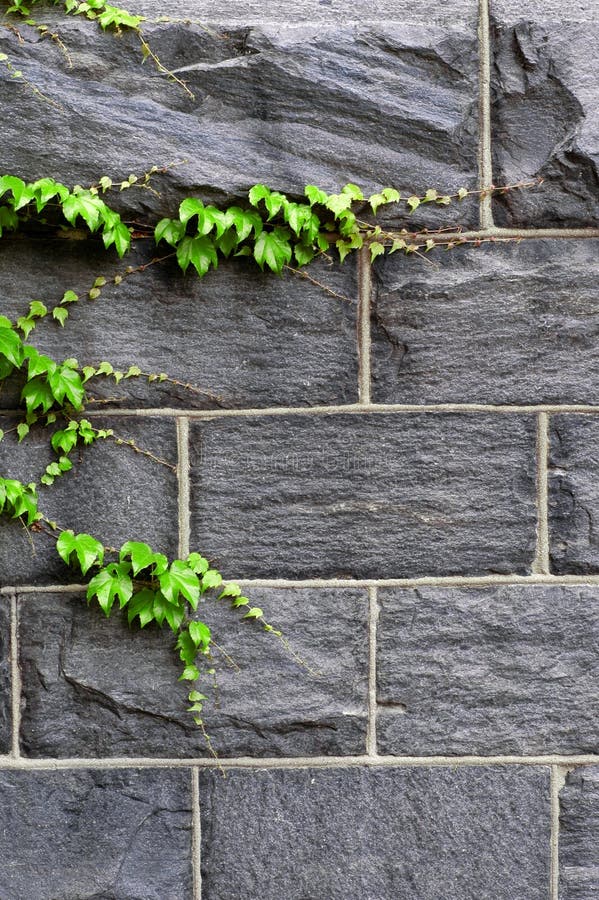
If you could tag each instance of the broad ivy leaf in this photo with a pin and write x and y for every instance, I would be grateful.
(66, 383)
(200, 635)
(197, 563)
(169, 230)
(211, 579)
(315, 195)
(273, 249)
(141, 606)
(180, 578)
(111, 582)
(37, 395)
(140, 554)
(199, 251)
(86, 548)
(244, 221)
(11, 346)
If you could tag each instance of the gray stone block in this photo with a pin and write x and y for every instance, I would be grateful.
(93, 687)
(488, 671)
(579, 823)
(111, 492)
(376, 834)
(574, 493)
(379, 495)
(495, 324)
(546, 99)
(311, 11)
(5, 683)
(123, 835)
(313, 104)
(251, 339)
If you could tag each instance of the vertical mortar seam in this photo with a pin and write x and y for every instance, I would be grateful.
(15, 679)
(541, 563)
(485, 159)
(363, 324)
(196, 834)
(556, 782)
(183, 495)
(373, 612)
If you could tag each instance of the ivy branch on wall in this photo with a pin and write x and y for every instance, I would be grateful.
(276, 232)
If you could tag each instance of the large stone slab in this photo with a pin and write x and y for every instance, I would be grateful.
(376, 834)
(123, 835)
(574, 493)
(5, 685)
(378, 495)
(488, 671)
(496, 324)
(579, 822)
(248, 339)
(112, 492)
(94, 687)
(314, 104)
(546, 99)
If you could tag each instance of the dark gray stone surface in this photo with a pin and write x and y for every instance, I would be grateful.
(376, 834)
(488, 671)
(546, 99)
(495, 324)
(123, 835)
(365, 495)
(579, 823)
(5, 683)
(250, 339)
(574, 493)
(111, 492)
(93, 687)
(286, 106)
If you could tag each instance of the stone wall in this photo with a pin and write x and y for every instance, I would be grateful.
(402, 469)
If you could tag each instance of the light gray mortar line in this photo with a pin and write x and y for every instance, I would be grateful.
(464, 581)
(373, 613)
(348, 409)
(485, 159)
(183, 481)
(363, 324)
(557, 780)
(541, 564)
(196, 834)
(300, 762)
(15, 678)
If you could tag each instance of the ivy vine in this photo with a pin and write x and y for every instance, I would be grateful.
(277, 232)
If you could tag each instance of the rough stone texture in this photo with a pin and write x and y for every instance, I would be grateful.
(311, 11)
(376, 834)
(111, 492)
(93, 687)
(286, 106)
(5, 687)
(488, 671)
(546, 100)
(579, 824)
(251, 339)
(122, 835)
(574, 493)
(365, 496)
(496, 324)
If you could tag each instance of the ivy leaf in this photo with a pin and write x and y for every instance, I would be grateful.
(273, 249)
(211, 579)
(190, 673)
(169, 230)
(60, 314)
(413, 203)
(338, 202)
(111, 582)
(230, 590)
(254, 613)
(22, 430)
(180, 578)
(315, 195)
(37, 394)
(244, 221)
(304, 253)
(187, 649)
(86, 548)
(199, 251)
(140, 554)
(197, 563)
(190, 208)
(141, 606)
(353, 191)
(85, 205)
(66, 383)
(200, 635)
(11, 346)
(376, 249)
(120, 236)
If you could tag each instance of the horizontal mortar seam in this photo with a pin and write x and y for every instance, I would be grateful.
(358, 583)
(23, 763)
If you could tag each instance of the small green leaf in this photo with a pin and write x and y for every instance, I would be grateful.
(60, 314)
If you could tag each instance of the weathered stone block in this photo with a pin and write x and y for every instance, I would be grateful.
(496, 324)
(378, 495)
(123, 835)
(248, 338)
(93, 687)
(579, 822)
(112, 492)
(288, 106)
(574, 493)
(376, 834)
(5, 685)
(546, 99)
(488, 671)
